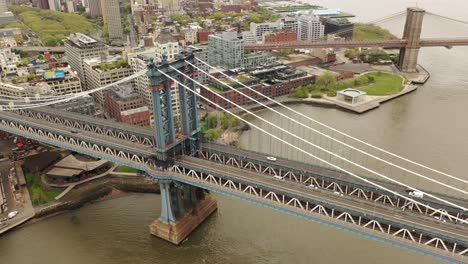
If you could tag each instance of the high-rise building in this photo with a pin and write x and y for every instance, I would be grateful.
(54, 5)
(95, 9)
(3, 6)
(125, 105)
(79, 47)
(111, 16)
(166, 44)
(227, 50)
(5, 15)
(100, 71)
(259, 29)
(139, 60)
(43, 4)
(310, 28)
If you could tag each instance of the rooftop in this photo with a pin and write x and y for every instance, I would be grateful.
(165, 36)
(124, 92)
(83, 41)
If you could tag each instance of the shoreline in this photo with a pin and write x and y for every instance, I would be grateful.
(101, 190)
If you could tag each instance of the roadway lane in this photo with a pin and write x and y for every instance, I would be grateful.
(96, 121)
(113, 142)
(297, 190)
(295, 165)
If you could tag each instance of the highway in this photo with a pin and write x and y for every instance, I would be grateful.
(93, 120)
(319, 170)
(90, 137)
(302, 192)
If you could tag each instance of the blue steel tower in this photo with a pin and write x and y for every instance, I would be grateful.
(160, 85)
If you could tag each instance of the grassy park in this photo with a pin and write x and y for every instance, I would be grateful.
(371, 32)
(39, 195)
(384, 84)
(52, 26)
(126, 169)
(373, 83)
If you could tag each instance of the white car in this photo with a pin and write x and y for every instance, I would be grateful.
(12, 214)
(270, 158)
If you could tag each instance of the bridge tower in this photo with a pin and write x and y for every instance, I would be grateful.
(412, 33)
(183, 207)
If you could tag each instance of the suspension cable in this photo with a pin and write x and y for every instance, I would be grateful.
(322, 149)
(308, 153)
(325, 135)
(448, 18)
(76, 95)
(332, 128)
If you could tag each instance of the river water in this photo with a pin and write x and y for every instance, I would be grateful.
(429, 126)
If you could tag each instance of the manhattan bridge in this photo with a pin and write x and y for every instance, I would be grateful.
(343, 182)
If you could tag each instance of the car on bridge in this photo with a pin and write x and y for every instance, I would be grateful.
(271, 158)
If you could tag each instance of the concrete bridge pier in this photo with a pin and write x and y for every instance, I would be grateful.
(183, 208)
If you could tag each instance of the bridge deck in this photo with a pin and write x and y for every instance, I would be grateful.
(417, 221)
(85, 135)
(295, 165)
(93, 120)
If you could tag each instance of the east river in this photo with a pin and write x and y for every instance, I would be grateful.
(429, 126)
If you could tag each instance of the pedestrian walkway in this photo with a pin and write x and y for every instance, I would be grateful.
(73, 185)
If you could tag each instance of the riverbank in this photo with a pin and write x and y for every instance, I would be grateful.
(103, 189)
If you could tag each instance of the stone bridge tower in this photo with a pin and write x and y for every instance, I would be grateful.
(412, 33)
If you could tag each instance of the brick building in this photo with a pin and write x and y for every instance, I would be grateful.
(271, 91)
(282, 36)
(124, 105)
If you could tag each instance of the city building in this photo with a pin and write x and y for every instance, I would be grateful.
(8, 61)
(79, 47)
(111, 15)
(101, 71)
(310, 28)
(54, 5)
(43, 4)
(73, 169)
(290, 24)
(5, 15)
(33, 80)
(351, 96)
(249, 37)
(3, 6)
(333, 26)
(272, 81)
(260, 29)
(227, 50)
(190, 34)
(124, 105)
(94, 8)
(278, 37)
(70, 6)
(139, 59)
(166, 44)
(12, 32)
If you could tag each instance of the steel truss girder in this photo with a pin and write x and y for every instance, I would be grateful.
(70, 141)
(415, 237)
(328, 183)
(86, 123)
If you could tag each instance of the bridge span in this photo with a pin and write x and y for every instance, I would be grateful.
(397, 43)
(315, 193)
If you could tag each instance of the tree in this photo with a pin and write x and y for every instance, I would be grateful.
(30, 77)
(325, 81)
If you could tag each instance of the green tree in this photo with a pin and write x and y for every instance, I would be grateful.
(325, 81)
